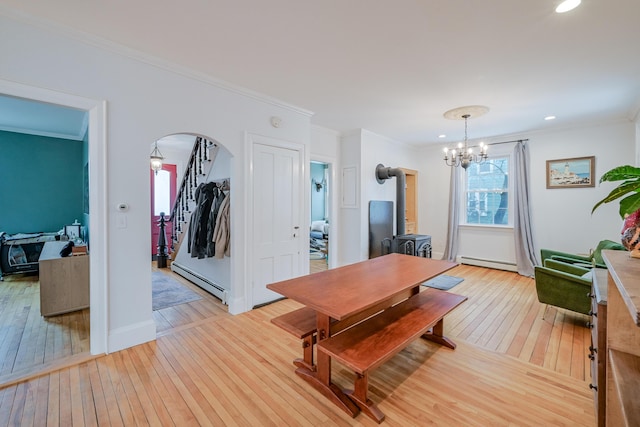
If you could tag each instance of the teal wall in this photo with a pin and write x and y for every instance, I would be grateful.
(40, 182)
(317, 197)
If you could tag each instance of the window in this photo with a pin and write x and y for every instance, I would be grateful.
(162, 193)
(487, 192)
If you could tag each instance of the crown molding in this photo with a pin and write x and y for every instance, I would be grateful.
(122, 50)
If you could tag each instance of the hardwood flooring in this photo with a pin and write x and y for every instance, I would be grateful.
(317, 265)
(503, 315)
(207, 367)
(181, 315)
(29, 341)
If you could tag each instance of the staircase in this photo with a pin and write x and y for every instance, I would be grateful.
(200, 162)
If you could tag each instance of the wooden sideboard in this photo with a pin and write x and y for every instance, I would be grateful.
(598, 347)
(623, 339)
(64, 282)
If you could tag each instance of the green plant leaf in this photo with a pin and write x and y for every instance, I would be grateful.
(629, 204)
(620, 173)
(619, 191)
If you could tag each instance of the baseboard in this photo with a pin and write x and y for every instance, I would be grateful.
(237, 305)
(131, 335)
(206, 284)
(489, 263)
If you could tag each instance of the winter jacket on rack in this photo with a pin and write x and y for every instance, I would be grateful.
(221, 234)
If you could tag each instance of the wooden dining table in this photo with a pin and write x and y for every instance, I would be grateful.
(345, 296)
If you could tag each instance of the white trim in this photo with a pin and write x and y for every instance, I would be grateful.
(334, 224)
(354, 187)
(99, 262)
(489, 263)
(206, 284)
(239, 304)
(130, 335)
(252, 139)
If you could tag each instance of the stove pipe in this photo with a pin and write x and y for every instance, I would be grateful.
(382, 174)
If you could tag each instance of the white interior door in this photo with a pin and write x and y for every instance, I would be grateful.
(277, 181)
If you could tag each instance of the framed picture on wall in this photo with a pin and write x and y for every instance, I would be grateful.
(571, 173)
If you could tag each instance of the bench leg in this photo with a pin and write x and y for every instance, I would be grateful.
(307, 354)
(359, 396)
(436, 335)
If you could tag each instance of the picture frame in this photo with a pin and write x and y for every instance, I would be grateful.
(72, 231)
(576, 172)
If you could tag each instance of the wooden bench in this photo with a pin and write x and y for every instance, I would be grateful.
(300, 323)
(369, 344)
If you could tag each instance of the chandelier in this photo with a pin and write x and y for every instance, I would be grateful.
(464, 155)
(156, 159)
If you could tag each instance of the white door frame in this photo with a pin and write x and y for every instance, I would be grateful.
(99, 302)
(333, 203)
(250, 140)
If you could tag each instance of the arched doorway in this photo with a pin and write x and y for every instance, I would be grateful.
(192, 276)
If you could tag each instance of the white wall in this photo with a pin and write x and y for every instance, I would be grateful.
(349, 238)
(637, 130)
(325, 143)
(145, 100)
(365, 150)
(562, 217)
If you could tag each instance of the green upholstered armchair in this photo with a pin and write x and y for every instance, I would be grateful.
(564, 285)
(594, 260)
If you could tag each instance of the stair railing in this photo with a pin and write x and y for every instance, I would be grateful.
(199, 155)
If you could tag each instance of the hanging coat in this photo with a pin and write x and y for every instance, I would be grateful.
(221, 234)
(193, 224)
(199, 220)
(213, 215)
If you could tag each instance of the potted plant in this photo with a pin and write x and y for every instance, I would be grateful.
(629, 209)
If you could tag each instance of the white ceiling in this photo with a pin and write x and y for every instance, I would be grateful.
(392, 67)
(37, 118)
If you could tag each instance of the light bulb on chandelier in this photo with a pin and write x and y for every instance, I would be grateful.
(464, 156)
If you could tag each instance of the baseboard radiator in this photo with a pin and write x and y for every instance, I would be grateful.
(489, 263)
(203, 282)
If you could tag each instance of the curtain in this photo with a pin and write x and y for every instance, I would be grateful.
(526, 257)
(451, 250)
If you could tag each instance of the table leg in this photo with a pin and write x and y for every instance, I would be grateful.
(320, 379)
(436, 335)
(307, 354)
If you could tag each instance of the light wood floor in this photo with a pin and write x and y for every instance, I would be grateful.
(317, 265)
(207, 367)
(29, 341)
(179, 316)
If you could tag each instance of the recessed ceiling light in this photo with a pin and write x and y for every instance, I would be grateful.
(442, 136)
(567, 5)
(550, 118)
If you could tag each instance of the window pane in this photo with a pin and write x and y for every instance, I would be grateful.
(487, 198)
(161, 193)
